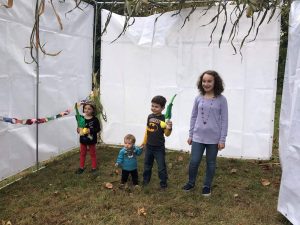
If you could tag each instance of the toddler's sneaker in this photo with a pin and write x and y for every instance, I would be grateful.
(187, 187)
(79, 171)
(206, 191)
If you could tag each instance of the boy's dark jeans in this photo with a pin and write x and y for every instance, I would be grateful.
(134, 176)
(158, 153)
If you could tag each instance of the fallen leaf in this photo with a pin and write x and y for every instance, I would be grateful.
(190, 214)
(266, 167)
(142, 211)
(236, 195)
(265, 182)
(233, 170)
(108, 185)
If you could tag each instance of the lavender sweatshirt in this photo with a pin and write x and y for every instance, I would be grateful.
(209, 120)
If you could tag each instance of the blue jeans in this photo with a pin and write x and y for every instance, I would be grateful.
(196, 156)
(158, 153)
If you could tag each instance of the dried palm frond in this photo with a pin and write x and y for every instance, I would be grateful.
(256, 10)
(8, 5)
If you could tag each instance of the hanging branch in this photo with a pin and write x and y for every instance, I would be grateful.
(256, 10)
(8, 5)
(224, 25)
(216, 17)
(187, 18)
(35, 42)
(56, 15)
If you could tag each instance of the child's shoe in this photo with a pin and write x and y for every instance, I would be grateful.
(187, 187)
(122, 186)
(137, 187)
(79, 171)
(163, 187)
(94, 172)
(206, 191)
(145, 183)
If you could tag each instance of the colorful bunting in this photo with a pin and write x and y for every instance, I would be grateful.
(47, 119)
(34, 121)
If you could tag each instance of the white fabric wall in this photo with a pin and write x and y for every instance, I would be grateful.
(64, 79)
(289, 141)
(163, 59)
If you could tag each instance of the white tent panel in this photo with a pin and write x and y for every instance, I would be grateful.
(289, 142)
(63, 80)
(165, 58)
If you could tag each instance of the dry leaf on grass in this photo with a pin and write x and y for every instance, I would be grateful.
(190, 214)
(109, 185)
(236, 195)
(6, 223)
(233, 170)
(265, 182)
(180, 158)
(142, 211)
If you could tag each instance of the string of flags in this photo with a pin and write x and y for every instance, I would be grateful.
(39, 120)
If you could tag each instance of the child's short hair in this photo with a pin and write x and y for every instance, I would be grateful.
(130, 137)
(160, 100)
(90, 104)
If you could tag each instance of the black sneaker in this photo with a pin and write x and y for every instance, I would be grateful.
(94, 172)
(79, 171)
(145, 183)
(187, 187)
(163, 187)
(206, 191)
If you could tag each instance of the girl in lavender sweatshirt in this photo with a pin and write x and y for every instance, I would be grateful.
(208, 128)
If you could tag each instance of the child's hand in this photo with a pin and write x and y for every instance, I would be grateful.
(169, 124)
(221, 146)
(189, 141)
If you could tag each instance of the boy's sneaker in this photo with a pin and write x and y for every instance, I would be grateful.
(187, 187)
(79, 171)
(206, 191)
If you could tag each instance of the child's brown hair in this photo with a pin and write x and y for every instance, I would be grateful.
(90, 104)
(130, 137)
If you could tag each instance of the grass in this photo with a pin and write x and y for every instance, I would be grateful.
(56, 195)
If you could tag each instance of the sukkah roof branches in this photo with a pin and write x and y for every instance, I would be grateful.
(258, 11)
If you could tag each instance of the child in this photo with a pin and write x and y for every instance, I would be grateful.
(127, 160)
(154, 141)
(89, 139)
(208, 128)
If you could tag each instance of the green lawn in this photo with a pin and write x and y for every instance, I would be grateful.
(56, 195)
